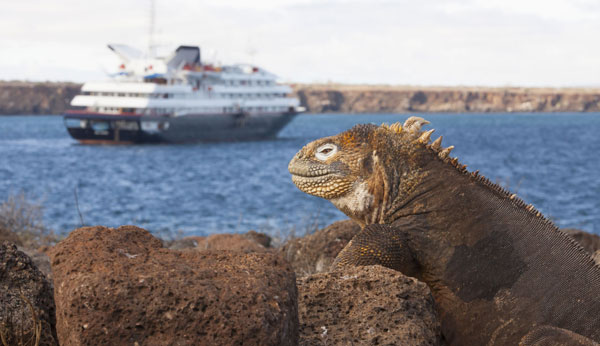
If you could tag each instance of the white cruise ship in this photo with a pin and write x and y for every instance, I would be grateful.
(180, 99)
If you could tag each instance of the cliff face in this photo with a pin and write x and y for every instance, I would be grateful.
(36, 98)
(54, 98)
(362, 99)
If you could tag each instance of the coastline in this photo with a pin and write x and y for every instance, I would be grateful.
(327, 98)
(37, 98)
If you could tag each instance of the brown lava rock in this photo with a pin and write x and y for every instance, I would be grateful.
(260, 238)
(315, 253)
(250, 242)
(120, 287)
(366, 306)
(234, 242)
(21, 284)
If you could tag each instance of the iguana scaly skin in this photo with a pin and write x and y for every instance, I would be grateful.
(500, 273)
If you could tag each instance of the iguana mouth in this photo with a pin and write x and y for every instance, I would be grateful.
(309, 174)
(303, 169)
(326, 185)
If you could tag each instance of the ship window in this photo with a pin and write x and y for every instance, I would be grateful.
(75, 123)
(99, 126)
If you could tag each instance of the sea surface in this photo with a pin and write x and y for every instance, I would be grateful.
(550, 160)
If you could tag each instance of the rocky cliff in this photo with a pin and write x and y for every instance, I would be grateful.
(36, 98)
(398, 99)
(54, 98)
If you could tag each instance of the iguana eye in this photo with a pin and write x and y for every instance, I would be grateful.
(325, 151)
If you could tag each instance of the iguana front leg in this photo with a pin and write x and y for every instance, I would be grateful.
(379, 244)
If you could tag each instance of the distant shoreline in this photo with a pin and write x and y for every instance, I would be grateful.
(37, 98)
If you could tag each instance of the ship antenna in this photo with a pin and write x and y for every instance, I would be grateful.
(151, 33)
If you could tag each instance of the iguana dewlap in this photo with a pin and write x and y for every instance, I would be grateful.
(500, 273)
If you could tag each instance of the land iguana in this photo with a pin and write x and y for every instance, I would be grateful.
(499, 271)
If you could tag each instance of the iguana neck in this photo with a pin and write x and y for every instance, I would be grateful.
(397, 188)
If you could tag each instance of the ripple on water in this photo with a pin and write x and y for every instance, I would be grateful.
(199, 189)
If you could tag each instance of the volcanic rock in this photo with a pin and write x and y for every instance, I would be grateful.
(249, 242)
(41, 260)
(260, 238)
(369, 305)
(181, 244)
(315, 253)
(120, 287)
(24, 288)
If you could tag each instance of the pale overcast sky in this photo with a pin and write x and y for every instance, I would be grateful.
(417, 42)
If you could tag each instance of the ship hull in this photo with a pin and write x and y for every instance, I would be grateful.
(98, 128)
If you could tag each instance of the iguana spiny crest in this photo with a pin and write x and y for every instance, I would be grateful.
(369, 171)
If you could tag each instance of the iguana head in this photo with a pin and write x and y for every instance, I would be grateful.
(368, 170)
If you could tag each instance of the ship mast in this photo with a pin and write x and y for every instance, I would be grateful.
(151, 32)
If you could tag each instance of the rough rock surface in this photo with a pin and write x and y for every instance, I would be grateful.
(366, 306)
(249, 242)
(260, 238)
(181, 244)
(41, 260)
(120, 287)
(18, 275)
(315, 253)
(589, 241)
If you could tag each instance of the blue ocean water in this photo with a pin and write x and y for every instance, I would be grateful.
(550, 160)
